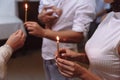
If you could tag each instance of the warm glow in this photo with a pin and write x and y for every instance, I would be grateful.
(57, 38)
(26, 5)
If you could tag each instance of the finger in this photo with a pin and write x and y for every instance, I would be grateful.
(49, 13)
(52, 17)
(15, 32)
(68, 65)
(32, 33)
(20, 32)
(66, 70)
(56, 54)
(64, 73)
(29, 23)
(23, 37)
(47, 7)
(62, 50)
(30, 28)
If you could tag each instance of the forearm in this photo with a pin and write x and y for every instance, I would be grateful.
(82, 58)
(5, 52)
(87, 75)
(68, 36)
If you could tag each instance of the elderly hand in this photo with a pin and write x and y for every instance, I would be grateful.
(16, 40)
(35, 29)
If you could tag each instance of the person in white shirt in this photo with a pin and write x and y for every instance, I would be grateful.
(71, 27)
(102, 9)
(14, 42)
(102, 51)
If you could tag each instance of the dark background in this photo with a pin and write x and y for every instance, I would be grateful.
(31, 41)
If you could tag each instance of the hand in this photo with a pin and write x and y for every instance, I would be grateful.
(47, 17)
(69, 68)
(58, 11)
(67, 54)
(34, 29)
(72, 69)
(16, 40)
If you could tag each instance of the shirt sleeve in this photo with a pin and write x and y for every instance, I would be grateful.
(5, 52)
(84, 15)
(40, 6)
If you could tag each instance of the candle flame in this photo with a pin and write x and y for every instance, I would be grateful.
(57, 38)
(26, 5)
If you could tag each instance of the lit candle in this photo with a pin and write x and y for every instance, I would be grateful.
(26, 9)
(58, 44)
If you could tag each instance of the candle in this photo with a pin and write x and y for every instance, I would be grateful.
(26, 9)
(58, 44)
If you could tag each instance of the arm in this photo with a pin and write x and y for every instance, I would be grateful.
(68, 36)
(14, 42)
(65, 36)
(72, 69)
(72, 56)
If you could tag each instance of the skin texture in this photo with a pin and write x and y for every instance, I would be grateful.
(16, 40)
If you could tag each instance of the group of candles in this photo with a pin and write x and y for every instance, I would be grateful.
(26, 13)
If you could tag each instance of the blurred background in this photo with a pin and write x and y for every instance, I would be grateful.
(25, 63)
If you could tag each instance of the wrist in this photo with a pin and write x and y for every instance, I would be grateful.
(8, 47)
(81, 72)
(45, 32)
(79, 56)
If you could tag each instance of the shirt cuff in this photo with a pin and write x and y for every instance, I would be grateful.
(6, 52)
(9, 48)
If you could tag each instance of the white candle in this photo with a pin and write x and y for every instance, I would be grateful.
(58, 43)
(26, 9)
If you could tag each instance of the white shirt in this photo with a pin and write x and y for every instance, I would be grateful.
(102, 48)
(101, 5)
(5, 54)
(43, 3)
(76, 16)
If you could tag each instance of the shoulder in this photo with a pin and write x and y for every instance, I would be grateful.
(86, 3)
